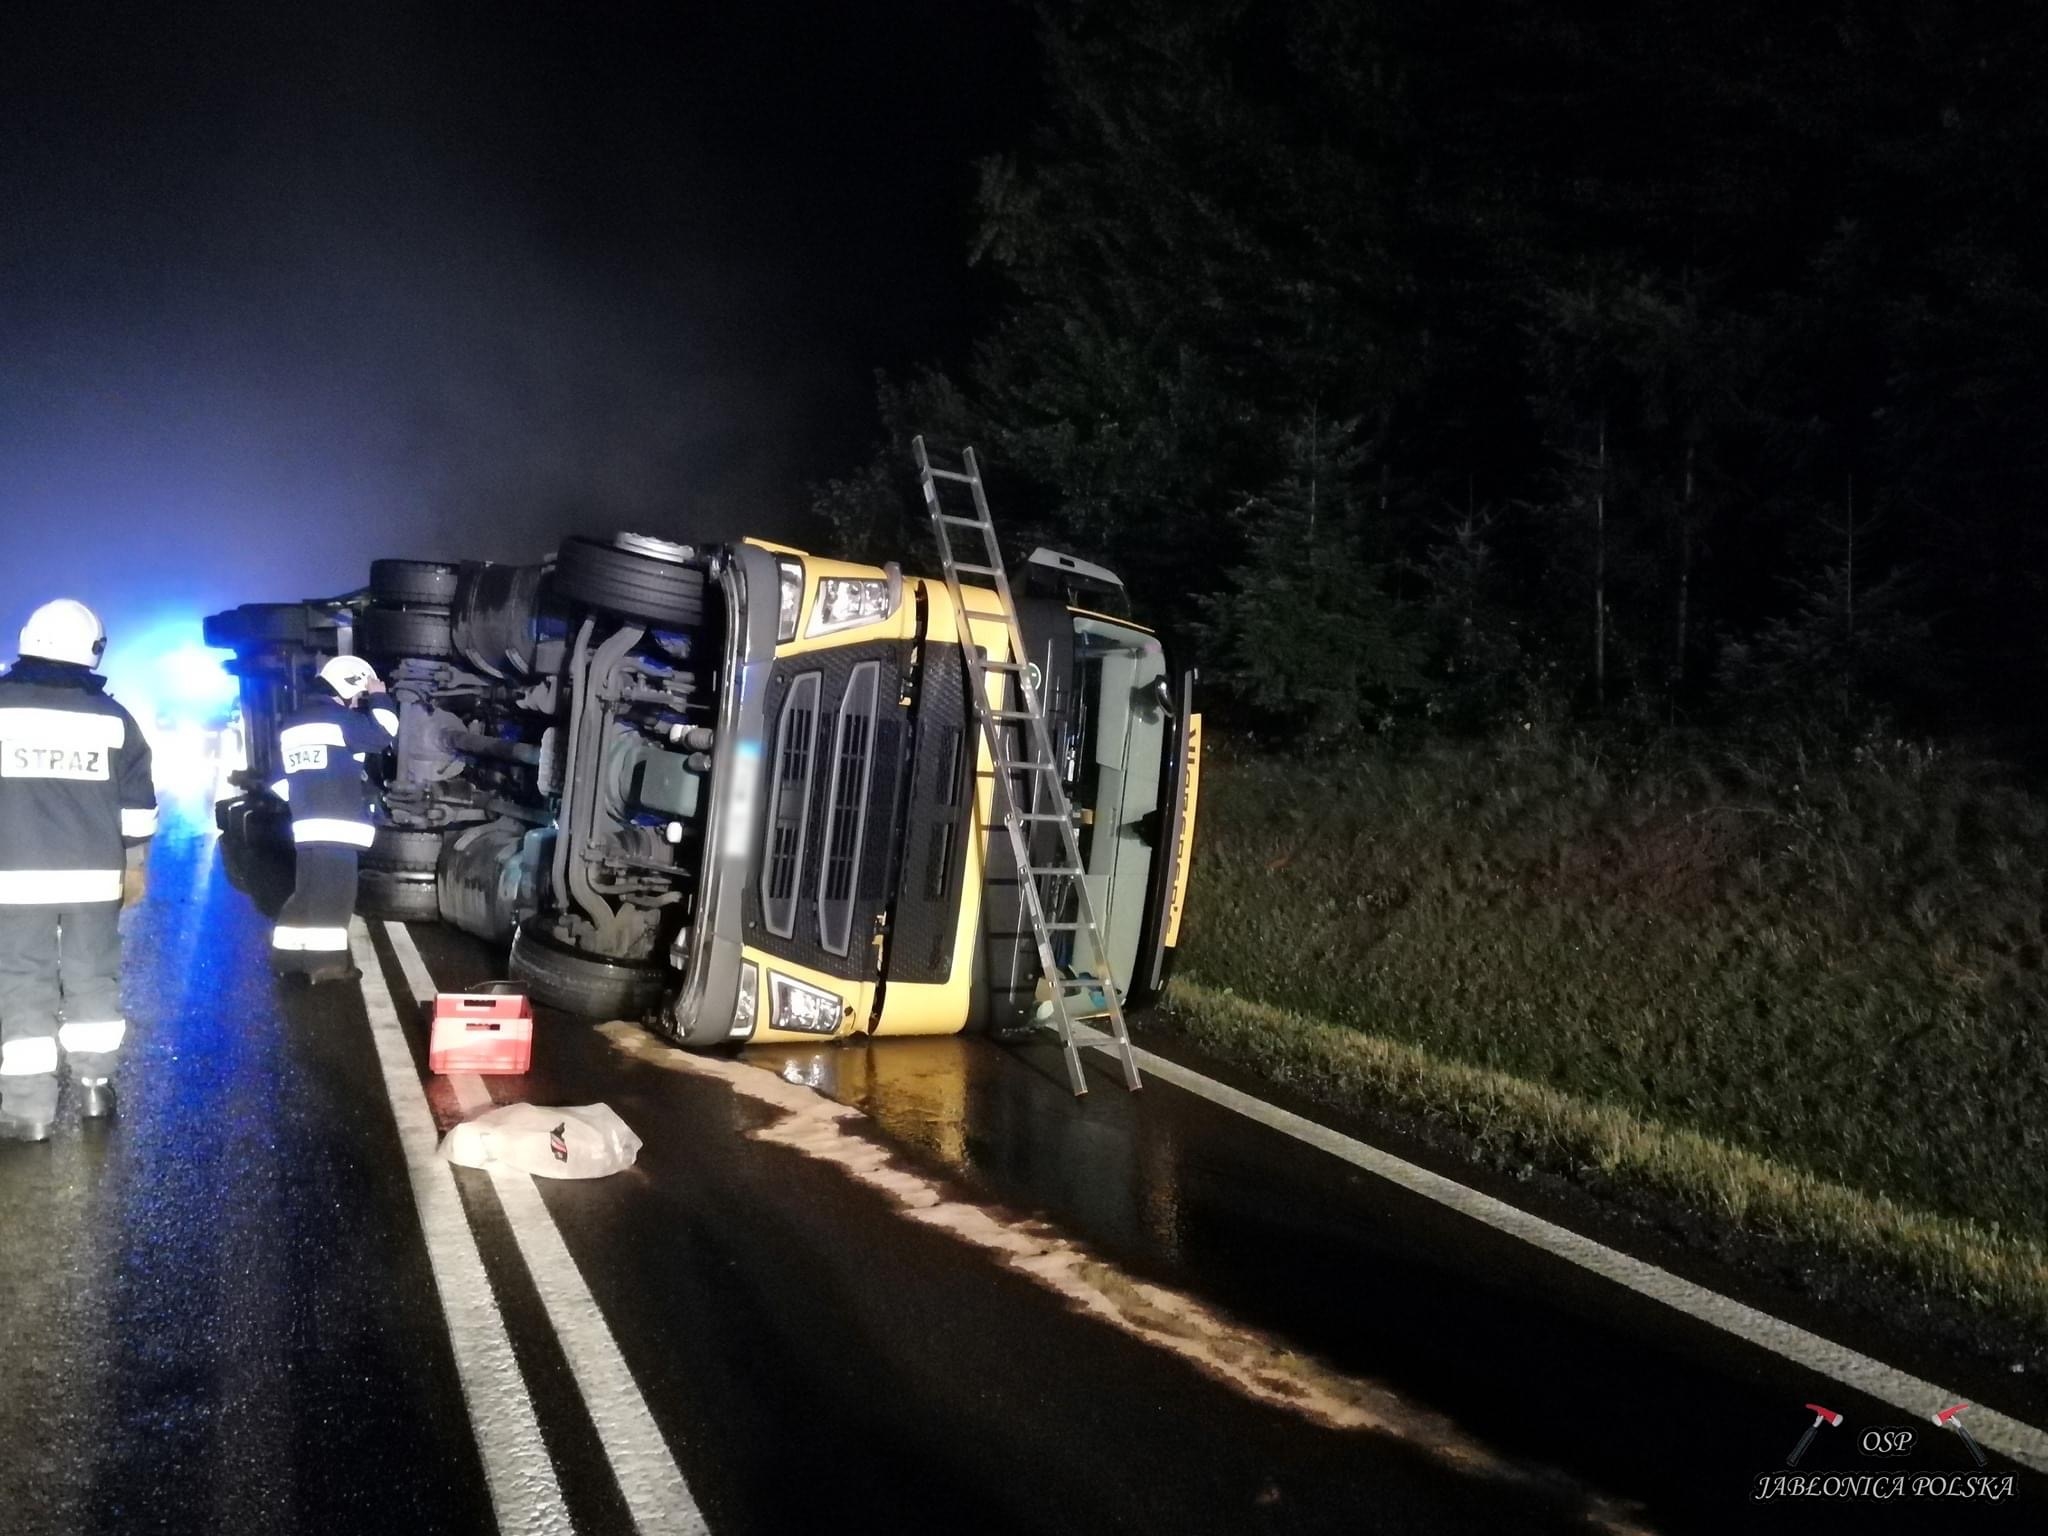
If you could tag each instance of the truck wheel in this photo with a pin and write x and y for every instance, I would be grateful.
(399, 896)
(497, 618)
(277, 622)
(587, 985)
(224, 631)
(413, 583)
(629, 583)
(404, 850)
(391, 634)
(265, 824)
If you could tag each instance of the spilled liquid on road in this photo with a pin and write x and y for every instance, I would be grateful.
(1255, 1364)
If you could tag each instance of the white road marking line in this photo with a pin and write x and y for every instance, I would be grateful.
(653, 1485)
(1996, 1431)
(525, 1496)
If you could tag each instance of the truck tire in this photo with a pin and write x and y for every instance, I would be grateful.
(390, 634)
(224, 631)
(283, 623)
(266, 877)
(497, 618)
(414, 583)
(398, 896)
(585, 985)
(405, 850)
(629, 585)
(264, 824)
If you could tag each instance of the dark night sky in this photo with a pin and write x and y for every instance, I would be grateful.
(282, 289)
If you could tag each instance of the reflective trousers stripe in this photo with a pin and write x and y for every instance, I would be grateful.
(322, 733)
(292, 936)
(58, 887)
(32, 1057)
(332, 829)
(138, 822)
(92, 1037)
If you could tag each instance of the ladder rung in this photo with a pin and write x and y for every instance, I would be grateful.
(1078, 1001)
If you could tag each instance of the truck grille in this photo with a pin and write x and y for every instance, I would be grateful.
(846, 814)
(831, 780)
(789, 811)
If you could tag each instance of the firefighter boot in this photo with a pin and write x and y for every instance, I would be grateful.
(98, 1101)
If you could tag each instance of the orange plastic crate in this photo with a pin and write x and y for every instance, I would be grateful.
(489, 1033)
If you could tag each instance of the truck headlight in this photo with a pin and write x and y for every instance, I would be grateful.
(792, 573)
(844, 602)
(806, 1010)
(749, 1002)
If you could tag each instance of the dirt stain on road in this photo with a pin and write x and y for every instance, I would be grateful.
(1260, 1367)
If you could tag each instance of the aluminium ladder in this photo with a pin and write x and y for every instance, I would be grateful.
(1076, 999)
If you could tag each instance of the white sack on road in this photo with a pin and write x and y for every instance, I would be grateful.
(586, 1141)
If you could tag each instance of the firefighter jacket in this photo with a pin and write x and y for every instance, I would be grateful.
(321, 749)
(74, 786)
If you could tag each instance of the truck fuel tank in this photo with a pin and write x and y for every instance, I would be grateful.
(490, 877)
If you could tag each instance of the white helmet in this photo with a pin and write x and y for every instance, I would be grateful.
(349, 676)
(65, 630)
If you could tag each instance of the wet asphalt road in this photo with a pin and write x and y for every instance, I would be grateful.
(218, 1313)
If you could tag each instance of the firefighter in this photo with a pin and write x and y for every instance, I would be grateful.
(322, 749)
(77, 811)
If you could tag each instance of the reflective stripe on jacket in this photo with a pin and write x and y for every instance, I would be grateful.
(321, 750)
(75, 786)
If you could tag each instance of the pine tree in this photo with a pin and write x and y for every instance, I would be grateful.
(1309, 634)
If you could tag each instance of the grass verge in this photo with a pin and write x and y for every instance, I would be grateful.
(1839, 964)
(1517, 1121)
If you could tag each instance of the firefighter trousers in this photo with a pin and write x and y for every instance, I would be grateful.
(312, 927)
(60, 993)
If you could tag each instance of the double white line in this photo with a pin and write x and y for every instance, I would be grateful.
(525, 1494)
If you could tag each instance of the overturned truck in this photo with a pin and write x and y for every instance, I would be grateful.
(737, 789)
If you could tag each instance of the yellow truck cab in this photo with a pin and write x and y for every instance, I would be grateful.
(885, 900)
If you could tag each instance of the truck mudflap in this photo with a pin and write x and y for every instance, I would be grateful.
(702, 1008)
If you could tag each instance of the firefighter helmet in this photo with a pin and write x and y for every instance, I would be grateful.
(349, 676)
(64, 630)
